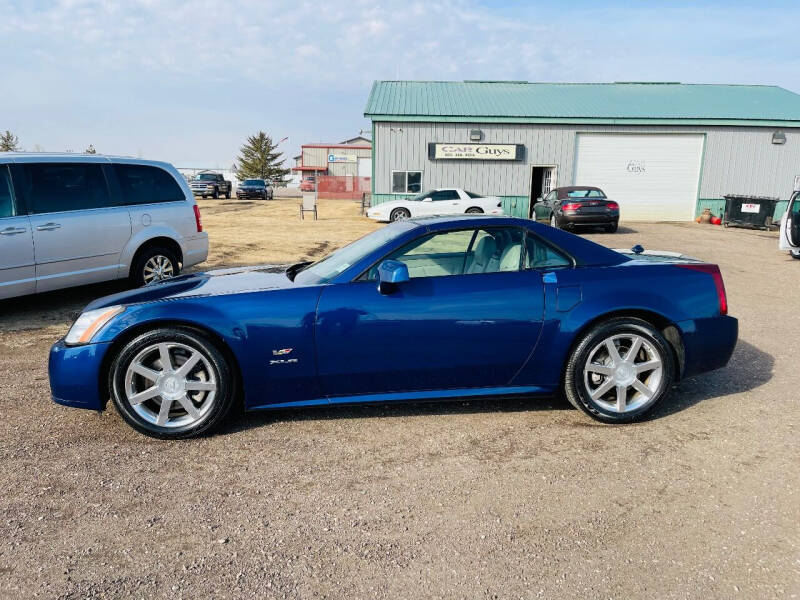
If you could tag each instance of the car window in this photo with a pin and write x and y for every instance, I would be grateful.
(466, 251)
(551, 196)
(540, 255)
(6, 200)
(57, 187)
(585, 194)
(473, 195)
(445, 195)
(143, 184)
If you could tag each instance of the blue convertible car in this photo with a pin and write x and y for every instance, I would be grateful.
(457, 307)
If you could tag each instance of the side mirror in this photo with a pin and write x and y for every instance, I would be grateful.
(391, 273)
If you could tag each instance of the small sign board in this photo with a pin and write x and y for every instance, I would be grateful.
(749, 207)
(342, 158)
(468, 151)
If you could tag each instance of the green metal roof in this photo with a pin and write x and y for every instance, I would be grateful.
(624, 102)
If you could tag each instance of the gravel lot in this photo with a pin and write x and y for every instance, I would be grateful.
(489, 499)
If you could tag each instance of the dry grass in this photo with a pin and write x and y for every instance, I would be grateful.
(257, 232)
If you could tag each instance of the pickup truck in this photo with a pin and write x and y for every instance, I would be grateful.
(211, 184)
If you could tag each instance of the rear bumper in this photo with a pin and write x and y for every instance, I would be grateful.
(195, 249)
(588, 220)
(708, 343)
(75, 375)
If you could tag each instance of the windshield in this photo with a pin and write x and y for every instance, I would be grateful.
(329, 267)
(419, 197)
(585, 194)
(253, 182)
(206, 177)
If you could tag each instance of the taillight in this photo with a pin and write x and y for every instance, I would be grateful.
(198, 219)
(713, 270)
(612, 205)
(571, 206)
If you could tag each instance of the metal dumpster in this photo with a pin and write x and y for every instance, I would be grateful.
(749, 211)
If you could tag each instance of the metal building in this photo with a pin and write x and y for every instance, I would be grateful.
(664, 151)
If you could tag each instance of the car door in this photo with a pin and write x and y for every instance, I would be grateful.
(790, 226)
(467, 318)
(17, 266)
(541, 209)
(79, 227)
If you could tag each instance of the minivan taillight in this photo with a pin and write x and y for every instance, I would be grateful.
(198, 219)
(714, 271)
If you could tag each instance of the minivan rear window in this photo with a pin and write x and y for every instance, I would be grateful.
(57, 187)
(6, 201)
(142, 184)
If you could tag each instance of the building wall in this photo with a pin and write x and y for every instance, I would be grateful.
(737, 160)
(319, 157)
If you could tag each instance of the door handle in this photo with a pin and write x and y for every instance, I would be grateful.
(48, 227)
(12, 230)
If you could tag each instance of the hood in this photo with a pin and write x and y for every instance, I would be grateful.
(209, 283)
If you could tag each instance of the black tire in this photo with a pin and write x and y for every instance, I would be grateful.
(204, 196)
(224, 396)
(612, 228)
(271, 195)
(215, 194)
(575, 388)
(474, 210)
(139, 277)
(399, 214)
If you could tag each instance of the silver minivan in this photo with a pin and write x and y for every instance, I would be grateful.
(69, 220)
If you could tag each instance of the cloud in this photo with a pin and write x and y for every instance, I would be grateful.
(187, 80)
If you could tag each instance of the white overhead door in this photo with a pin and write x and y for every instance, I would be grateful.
(653, 177)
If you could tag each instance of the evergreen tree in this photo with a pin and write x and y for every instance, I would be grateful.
(90, 150)
(8, 142)
(259, 160)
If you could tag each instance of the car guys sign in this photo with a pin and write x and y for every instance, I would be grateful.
(438, 151)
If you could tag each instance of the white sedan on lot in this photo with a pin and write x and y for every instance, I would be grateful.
(442, 201)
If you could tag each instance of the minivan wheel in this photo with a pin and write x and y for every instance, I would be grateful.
(172, 383)
(619, 371)
(154, 264)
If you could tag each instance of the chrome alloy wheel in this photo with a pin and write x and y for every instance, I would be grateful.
(157, 268)
(171, 385)
(623, 373)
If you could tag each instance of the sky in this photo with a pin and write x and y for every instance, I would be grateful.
(187, 82)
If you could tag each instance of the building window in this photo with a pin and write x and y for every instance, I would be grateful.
(406, 182)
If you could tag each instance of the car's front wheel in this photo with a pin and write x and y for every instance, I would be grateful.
(172, 383)
(619, 370)
(399, 214)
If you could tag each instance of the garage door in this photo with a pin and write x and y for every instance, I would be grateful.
(654, 177)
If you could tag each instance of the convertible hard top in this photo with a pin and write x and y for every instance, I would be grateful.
(563, 192)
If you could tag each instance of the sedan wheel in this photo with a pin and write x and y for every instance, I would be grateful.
(474, 211)
(399, 214)
(619, 371)
(171, 383)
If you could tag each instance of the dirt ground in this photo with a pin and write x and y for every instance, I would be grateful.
(481, 499)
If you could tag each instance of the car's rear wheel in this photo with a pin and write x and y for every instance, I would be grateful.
(612, 228)
(619, 371)
(172, 383)
(399, 214)
(154, 264)
(474, 210)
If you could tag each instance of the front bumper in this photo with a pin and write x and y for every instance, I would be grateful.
(75, 373)
(251, 193)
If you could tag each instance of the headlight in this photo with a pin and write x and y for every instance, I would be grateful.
(89, 323)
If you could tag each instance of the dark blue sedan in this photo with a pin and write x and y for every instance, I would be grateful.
(457, 307)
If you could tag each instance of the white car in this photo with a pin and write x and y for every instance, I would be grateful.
(790, 227)
(441, 201)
